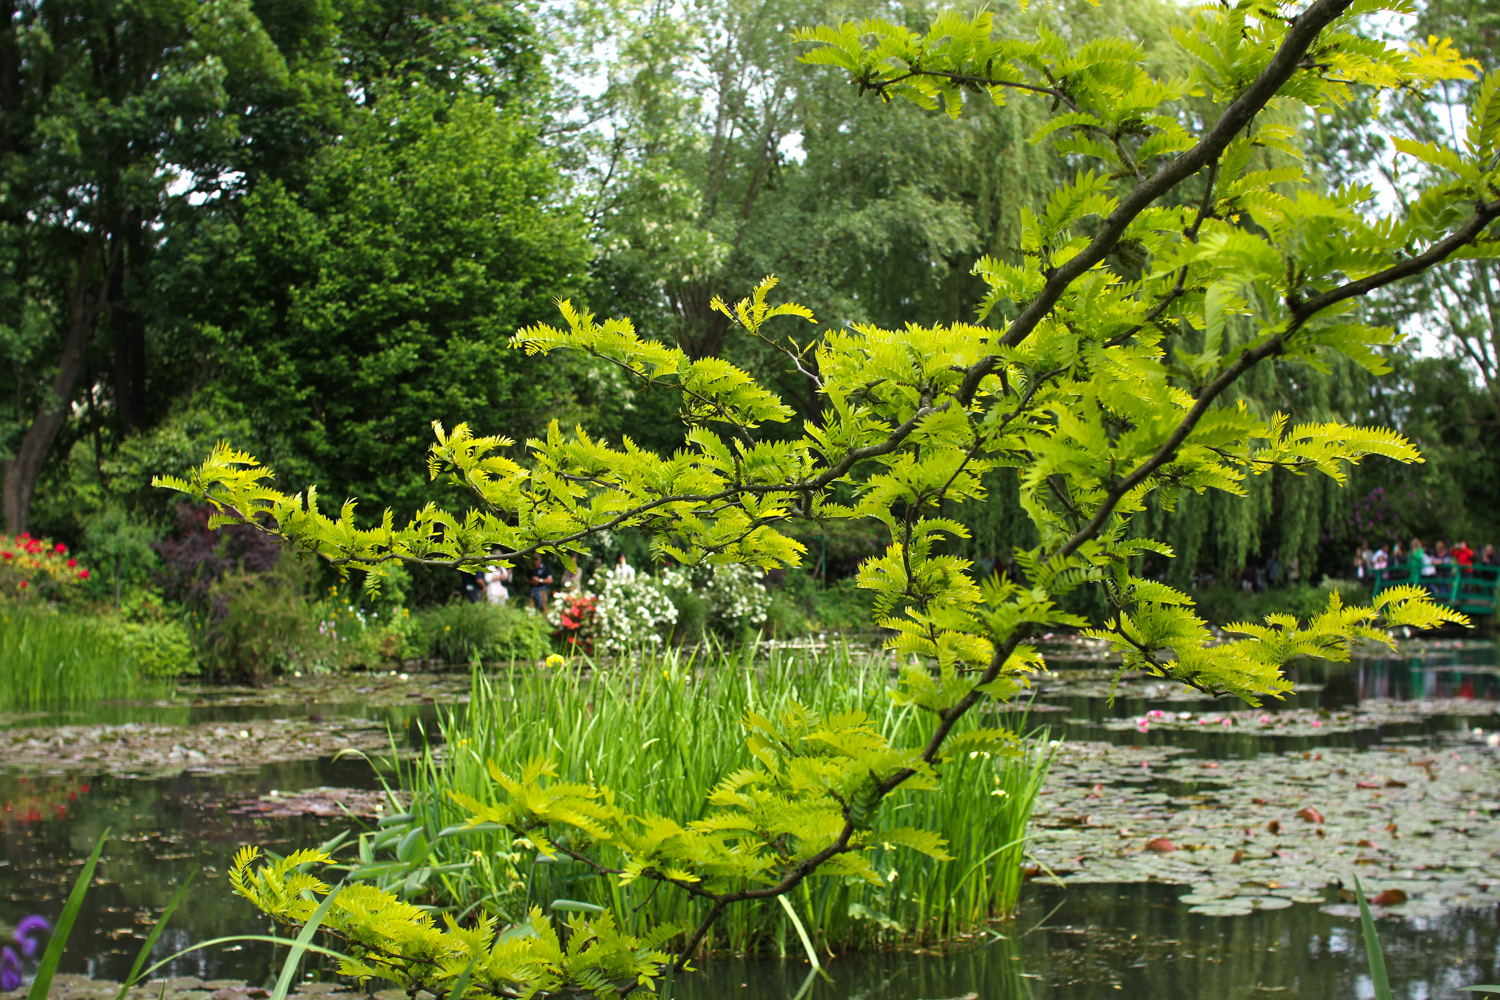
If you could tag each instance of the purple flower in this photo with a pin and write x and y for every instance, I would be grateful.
(10, 970)
(29, 930)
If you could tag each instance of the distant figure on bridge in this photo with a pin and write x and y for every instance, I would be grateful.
(1441, 557)
(1419, 561)
(1490, 557)
(1463, 557)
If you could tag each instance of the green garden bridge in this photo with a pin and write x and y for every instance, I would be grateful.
(1472, 591)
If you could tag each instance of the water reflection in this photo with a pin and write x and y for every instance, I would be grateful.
(1137, 941)
(162, 831)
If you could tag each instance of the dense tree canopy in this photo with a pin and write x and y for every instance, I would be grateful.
(291, 233)
(249, 202)
(115, 118)
(384, 292)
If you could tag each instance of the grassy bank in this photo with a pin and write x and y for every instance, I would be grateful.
(52, 661)
(664, 733)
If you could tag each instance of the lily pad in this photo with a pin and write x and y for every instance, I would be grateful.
(327, 802)
(138, 750)
(1274, 720)
(1416, 819)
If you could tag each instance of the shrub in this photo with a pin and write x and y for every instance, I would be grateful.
(159, 649)
(574, 616)
(195, 558)
(733, 598)
(459, 632)
(843, 607)
(259, 624)
(627, 612)
(154, 634)
(801, 605)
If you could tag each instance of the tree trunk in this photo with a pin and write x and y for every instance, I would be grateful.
(21, 471)
(127, 324)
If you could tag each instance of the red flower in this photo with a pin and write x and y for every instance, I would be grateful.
(25, 584)
(8, 555)
(72, 563)
(60, 549)
(83, 574)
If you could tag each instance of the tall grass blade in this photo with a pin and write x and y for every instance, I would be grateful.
(299, 946)
(233, 939)
(161, 924)
(1373, 952)
(456, 991)
(807, 945)
(64, 925)
(56, 661)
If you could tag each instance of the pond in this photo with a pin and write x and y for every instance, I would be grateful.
(1183, 846)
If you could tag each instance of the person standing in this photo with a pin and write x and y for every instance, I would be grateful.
(623, 571)
(539, 579)
(1418, 560)
(1463, 557)
(496, 578)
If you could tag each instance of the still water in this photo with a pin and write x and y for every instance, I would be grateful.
(1080, 941)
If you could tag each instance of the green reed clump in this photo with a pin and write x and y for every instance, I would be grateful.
(661, 734)
(50, 661)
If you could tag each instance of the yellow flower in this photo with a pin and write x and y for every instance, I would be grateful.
(554, 661)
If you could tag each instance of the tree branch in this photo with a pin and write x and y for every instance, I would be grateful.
(1240, 112)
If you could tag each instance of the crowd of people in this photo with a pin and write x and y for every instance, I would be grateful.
(494, 583)
(1416, 558)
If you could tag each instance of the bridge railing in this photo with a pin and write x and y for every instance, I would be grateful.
(1471, 591)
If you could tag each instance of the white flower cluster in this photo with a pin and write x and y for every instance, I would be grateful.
(736, 597)
(633, 612)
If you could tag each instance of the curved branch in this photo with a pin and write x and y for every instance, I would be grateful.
(1240, 112)
(1484, 214)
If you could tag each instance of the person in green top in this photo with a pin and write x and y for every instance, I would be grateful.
(1417, 560)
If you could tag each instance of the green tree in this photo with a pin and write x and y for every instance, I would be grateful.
(383, 292)
(114, 118)
(1446, 390)
(1093, 384)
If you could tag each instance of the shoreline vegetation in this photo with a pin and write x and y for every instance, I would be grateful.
(657, 733)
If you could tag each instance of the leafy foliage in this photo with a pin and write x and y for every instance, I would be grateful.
(1101, 379)
(389, 939)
